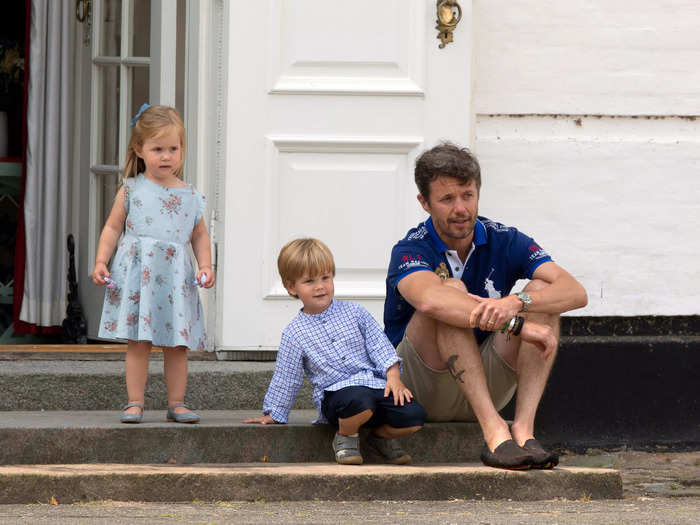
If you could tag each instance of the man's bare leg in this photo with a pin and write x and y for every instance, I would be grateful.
(441, 347)
(533, 371)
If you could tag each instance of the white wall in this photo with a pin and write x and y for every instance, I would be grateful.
(586, 131)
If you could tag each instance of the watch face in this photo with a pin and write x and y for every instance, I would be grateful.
(526, 299)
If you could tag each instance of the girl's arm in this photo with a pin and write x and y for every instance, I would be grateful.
(109, 238)
(201, 246)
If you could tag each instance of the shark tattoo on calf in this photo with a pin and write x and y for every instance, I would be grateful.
(456, 375)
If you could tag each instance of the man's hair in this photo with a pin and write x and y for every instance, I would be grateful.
(304, 256)
(446, 160)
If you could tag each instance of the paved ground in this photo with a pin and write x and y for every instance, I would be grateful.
(660, 487)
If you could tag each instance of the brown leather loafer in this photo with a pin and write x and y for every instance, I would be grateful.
(508, 455)
(542, 458)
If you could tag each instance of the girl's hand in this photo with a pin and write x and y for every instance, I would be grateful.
(263, 420)
(398, 390)
(99, 273)
(210, 279)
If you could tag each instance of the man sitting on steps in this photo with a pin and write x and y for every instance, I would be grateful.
(466, 342)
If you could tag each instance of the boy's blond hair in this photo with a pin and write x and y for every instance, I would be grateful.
(304, 256)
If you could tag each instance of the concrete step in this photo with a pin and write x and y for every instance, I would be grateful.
(277, 482)
(54, 437)
(605, 390)
(630, 390)
(74, 352)
(100, 385)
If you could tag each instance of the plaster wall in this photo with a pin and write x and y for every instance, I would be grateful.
(587, 133)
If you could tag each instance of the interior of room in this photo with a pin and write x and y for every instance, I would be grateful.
(13, 44)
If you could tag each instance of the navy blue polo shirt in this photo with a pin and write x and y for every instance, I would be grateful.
(500, 256)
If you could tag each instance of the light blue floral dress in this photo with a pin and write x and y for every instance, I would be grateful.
(155, 298)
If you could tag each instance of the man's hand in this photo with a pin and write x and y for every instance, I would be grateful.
(539, 335)
(396, 387)
(492, 314)
(263, 420)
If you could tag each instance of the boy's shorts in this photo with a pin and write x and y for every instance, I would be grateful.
(438, 392)
(351, 400)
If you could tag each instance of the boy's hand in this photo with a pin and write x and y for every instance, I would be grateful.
(99, 273)
(263, 420)
(210, 279)
(398, 390)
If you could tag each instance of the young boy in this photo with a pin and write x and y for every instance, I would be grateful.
(351, 364)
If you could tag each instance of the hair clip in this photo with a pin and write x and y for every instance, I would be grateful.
(201, 281)
(110, 282)
(143, 108)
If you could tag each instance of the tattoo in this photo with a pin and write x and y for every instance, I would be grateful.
(456, 375)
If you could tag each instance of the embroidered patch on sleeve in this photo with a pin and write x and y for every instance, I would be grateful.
(442, 272)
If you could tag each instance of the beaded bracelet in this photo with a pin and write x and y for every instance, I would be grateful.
(506, 327)
(519, 326)
(514, 326)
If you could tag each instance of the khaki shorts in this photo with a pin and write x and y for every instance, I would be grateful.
(438, 392)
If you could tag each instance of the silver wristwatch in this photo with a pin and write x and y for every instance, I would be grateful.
(526, 299)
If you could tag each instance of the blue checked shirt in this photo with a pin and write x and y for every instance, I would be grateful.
(340, 347)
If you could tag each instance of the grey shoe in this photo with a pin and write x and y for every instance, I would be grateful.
(131, 418)
(185, 417)
(389, 449)
(347, 449)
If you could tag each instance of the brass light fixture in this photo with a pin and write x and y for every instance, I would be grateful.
(447, 20)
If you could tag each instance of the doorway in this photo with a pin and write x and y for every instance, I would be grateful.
(13, 42)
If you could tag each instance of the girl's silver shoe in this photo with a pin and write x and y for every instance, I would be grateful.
(184, 417)
(131, 418)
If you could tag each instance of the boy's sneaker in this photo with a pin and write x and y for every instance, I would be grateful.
(389, 449)
(347, 449)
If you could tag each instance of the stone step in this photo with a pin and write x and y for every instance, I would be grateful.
(605, 390)
(100, 385)
(277, 482)
(232, 385)
(53, 437)
(630, 390)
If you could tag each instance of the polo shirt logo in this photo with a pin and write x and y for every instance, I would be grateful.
(442, 272)
(491, 288)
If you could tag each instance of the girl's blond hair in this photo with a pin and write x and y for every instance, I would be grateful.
(153, 122)
(304, 257)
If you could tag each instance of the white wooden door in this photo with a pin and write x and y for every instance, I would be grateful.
(132, 46)
(329, 102)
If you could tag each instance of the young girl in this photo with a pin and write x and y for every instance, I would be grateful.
(152, 294)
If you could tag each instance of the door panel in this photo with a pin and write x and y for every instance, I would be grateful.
(329, 104)
(365, 47)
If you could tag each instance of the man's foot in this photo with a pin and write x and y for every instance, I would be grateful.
(508, 455)
(389, 449)
(347, 449)
(542, 458)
